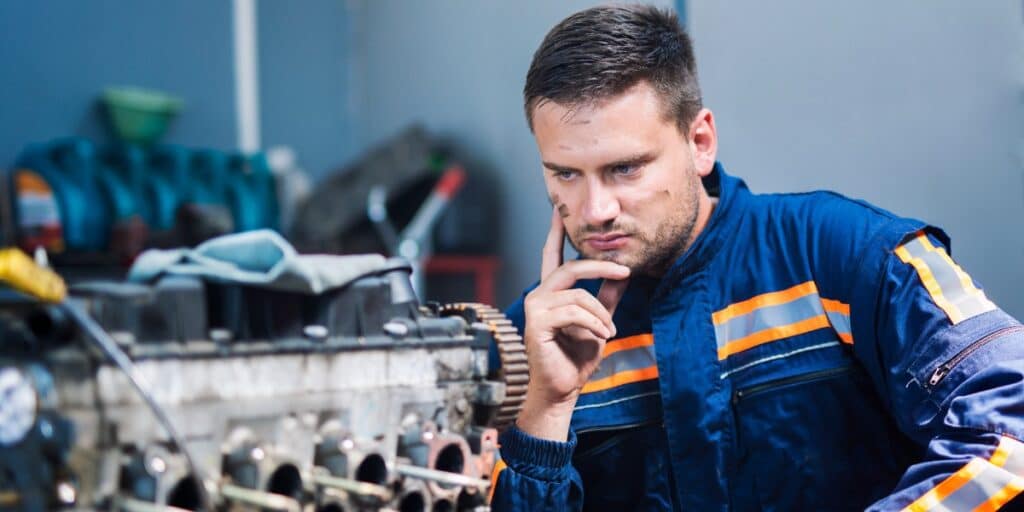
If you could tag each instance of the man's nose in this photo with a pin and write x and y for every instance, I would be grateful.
(601, 204)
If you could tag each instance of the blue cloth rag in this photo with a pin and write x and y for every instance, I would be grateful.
(260, 257)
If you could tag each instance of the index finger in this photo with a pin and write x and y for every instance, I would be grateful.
(611, 292)
(551, 257)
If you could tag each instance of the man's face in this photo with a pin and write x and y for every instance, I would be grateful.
(623, 179)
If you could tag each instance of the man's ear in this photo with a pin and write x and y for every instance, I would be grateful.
(703, 141)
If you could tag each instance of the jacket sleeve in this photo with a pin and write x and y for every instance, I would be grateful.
(535, 474)
(950, 366)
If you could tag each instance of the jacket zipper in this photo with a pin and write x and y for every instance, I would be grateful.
(943, 369)
(740, 394)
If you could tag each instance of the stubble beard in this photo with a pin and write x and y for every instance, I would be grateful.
(659, 248)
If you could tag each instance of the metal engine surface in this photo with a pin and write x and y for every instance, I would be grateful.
(358, 399)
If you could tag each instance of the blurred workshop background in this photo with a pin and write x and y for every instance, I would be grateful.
(397, 126)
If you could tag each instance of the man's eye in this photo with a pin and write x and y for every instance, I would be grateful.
(625, 170)
(564, 175)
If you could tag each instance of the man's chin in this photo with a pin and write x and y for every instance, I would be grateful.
(613, 256)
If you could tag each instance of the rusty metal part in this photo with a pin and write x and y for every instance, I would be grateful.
(514, 370)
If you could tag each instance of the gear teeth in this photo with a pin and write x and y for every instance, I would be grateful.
(511, 351)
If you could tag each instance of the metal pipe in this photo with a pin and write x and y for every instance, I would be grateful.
(267, 500)
(441, 477)
(321, 477)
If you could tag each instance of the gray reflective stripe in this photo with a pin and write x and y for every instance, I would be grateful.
(978, 490)
(970, 301)
(808, 306)
(779, 356)
(623, 360)
(840, 322)
(1015, 460)
(616, 401)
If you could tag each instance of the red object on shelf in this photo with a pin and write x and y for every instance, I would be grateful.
(483, 269)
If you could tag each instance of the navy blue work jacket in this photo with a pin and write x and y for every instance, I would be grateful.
(808, 352)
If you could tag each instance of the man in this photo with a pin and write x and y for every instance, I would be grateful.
(714, 349)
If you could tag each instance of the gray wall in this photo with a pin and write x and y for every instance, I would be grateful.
(914, 108)
(57, 57)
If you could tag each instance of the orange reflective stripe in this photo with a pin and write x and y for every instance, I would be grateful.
(930, 284)
(498, 468)
(965, 280)
(760, 301)
(1002, 497)
(835, 306)
(772, 334)
(947, 487)
(840, 319)
(1002, 453)
(618, 379)
(639, 340)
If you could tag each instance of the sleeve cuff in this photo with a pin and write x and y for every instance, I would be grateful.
(542, 459)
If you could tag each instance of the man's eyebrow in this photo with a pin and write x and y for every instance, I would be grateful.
(637, 159)
(559, 168)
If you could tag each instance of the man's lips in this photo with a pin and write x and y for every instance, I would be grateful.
(607, 241)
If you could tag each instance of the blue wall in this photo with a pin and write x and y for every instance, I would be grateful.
(305, 101)
(56, 57)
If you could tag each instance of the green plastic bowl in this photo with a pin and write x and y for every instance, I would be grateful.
(138, 115)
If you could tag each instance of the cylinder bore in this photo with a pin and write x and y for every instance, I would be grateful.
(184, 494)
(450, 459)
(286, 481)
(372, 469)
(413, 502)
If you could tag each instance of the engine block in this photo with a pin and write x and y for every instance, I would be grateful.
(356, 399)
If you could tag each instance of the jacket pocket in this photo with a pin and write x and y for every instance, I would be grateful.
(817, 441)
(626, 469)
(939, 372)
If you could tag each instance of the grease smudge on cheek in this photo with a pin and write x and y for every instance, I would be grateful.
(563, 210)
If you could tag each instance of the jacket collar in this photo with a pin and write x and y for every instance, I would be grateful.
(732, 194)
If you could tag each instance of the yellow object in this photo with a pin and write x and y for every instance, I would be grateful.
(19, 271)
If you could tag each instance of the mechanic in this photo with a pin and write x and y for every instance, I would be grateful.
(716, 349)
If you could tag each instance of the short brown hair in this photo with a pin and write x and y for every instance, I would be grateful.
(601, 52)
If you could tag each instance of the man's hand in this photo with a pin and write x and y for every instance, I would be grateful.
(566, 330)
